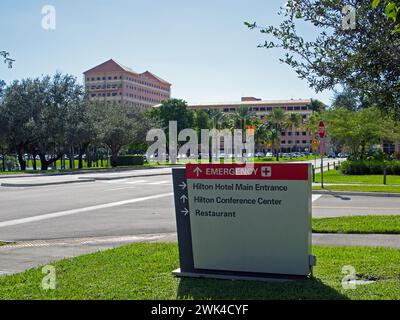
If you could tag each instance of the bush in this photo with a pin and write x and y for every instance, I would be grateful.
(365, 167)
(130, 160)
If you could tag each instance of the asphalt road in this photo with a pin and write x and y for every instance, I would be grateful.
(126, 207)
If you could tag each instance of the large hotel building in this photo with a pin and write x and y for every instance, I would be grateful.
(294, 138)
(111, 81)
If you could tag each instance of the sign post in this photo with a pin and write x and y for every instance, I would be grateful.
(322, 132)
(244, 222)
(315, 149)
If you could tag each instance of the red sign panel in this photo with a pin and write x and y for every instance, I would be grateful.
(321, 129)
(258, 171)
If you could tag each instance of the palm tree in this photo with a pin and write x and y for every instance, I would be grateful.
(262, 133)
(294, 120)
(216, 116)
(276, 121)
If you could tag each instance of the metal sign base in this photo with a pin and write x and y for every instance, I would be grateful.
(237, 276)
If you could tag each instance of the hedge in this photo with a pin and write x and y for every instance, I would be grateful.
(130, 160)
(365, 167)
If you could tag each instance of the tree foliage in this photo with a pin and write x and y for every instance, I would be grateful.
(364, 59)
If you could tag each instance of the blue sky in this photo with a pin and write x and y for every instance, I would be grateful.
(201, 47)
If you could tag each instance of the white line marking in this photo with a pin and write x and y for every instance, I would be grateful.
(315, 197)
(122, 188)
(160, 182)
(115, 181)
(80, 210)
(137, 181)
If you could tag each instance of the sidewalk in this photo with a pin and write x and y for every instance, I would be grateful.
(29, 254)
(46, 180)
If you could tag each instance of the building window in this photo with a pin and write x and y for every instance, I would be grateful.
(304, 141)
(290, 108)
(283, 142)
(289, 142)
(304, 133)
(296, 108)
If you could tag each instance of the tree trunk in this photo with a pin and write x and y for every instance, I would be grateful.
(114, 156)
(114, 159)
(34, 161)
(46, 163)
(21, 160)
(80, 162)
(4, 162)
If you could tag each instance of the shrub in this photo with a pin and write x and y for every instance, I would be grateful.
(130, 160)
(365, 167)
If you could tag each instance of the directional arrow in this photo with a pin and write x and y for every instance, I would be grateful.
(183, 185)
(185, 211)
(197, 171)
(184, 198)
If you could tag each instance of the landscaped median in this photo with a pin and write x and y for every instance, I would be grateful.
(358, 225)
(334, 180)
(143, 271)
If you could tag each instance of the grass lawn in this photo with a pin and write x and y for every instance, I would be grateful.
(143, 271)
(388, 189)
(358, 224)
(334, 176)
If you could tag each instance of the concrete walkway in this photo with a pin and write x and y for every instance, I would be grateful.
(18, 257)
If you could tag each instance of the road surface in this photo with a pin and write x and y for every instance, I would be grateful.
(126, 207)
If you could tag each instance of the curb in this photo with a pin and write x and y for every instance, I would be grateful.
(50, 174)
(126, 177)
(349, 193)
(28, 185)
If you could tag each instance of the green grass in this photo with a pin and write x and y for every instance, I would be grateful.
(2, 243)
(143, 271)
(358, 224)
(387, 189)
(334, 176)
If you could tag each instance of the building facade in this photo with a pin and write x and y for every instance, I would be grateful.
(293, 139)
(111, 81)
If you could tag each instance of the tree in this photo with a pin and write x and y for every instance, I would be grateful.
(120, 124)
(276, 122)
(356, 130)
(7, 60)
(347, 99)
(262, 134)
(174, 110)
(201, 120)
(216, 117)
(241, 116)
(392, 9)
(317, 105)
(18, 111)
(293, 121)
(364, 58)
(37, 114)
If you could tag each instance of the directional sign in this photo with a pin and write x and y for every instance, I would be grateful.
(321, 129)
(244, 220)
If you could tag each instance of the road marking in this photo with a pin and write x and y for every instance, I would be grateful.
(315, 197)
(160, 182)
(115, 181)
(80, 210)
(357, 208)
(122, 188)
(137, 181)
